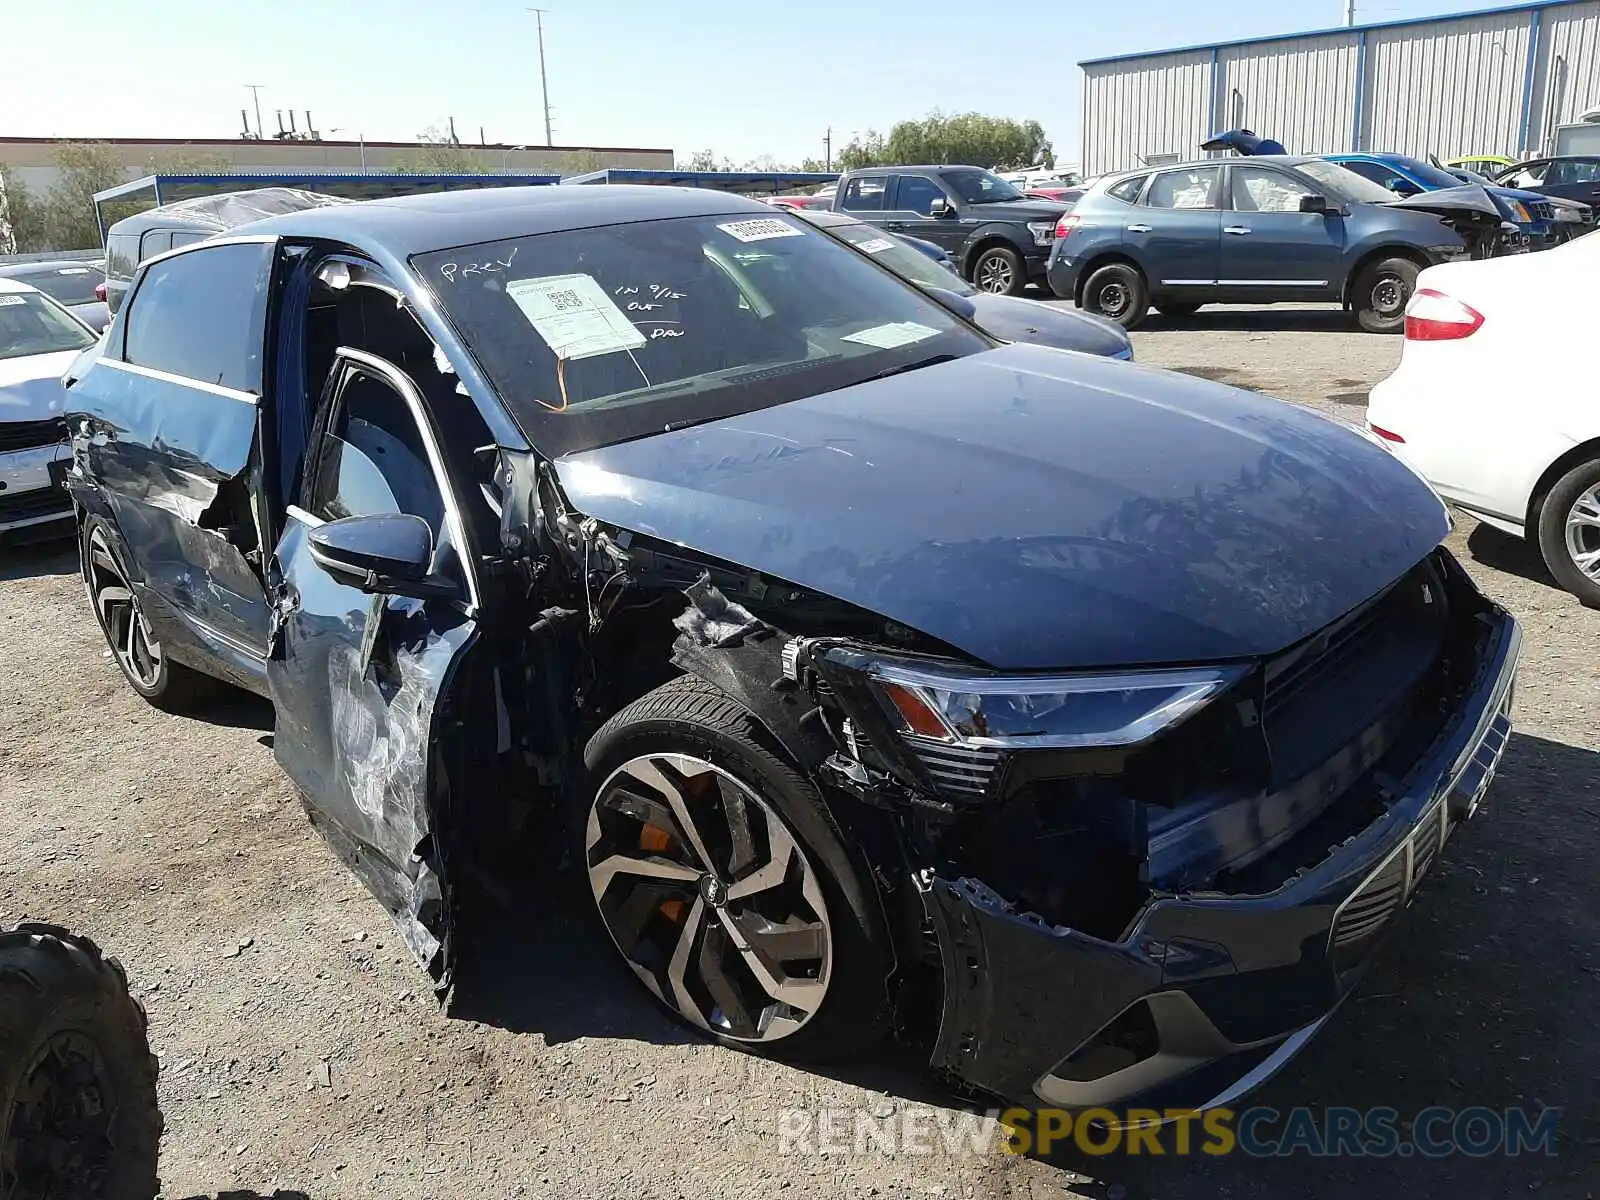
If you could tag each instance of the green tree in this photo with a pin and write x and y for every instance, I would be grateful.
(23, 212)
(970, 138)
(187, 162)
(84, 169)
(580, 162)
(438, 154)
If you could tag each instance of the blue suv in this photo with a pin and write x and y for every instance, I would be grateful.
(1274, 228)
(1404, 176)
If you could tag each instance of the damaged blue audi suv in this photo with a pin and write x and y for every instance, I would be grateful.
(1098, 722)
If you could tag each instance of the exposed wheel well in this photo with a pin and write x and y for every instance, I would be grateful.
(1410, 253)
(1581, 453)
(1094, 264)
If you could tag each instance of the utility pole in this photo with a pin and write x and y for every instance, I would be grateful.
(255, 94)
(827, 148)
(544, 83)
(1350, 12)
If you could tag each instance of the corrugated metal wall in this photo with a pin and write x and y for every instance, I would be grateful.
(1451, 86)
(1567, 76)
(1301, 92)
(1148, 106)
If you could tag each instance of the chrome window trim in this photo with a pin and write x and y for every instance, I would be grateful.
(215, 389)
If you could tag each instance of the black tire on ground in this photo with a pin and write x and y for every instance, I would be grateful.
(1381, 292)
(1552, 532)
(1118, 292)
(170, 686)
(78, 1114)
(999, 269)
(1178, 308)
(689, 716)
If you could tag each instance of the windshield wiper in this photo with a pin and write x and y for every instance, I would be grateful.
(932, 360)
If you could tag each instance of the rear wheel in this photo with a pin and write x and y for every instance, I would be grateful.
(1117, 292)
(1177, 308)
(143, 662)
(718, 876)
(999, 270)
(78, 1113)
(1382, 292)
(1569, 532)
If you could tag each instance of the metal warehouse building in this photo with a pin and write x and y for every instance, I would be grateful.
(1497, 81)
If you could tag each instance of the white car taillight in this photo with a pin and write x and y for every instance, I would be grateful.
(1434, 317)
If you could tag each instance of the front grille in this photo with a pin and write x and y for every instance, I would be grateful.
(29, 435)
(958, 770)
(1320, 696)
(1541, 210)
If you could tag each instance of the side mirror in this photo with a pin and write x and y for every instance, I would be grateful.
(940, 207)
(1400, 187)
(954, 301)
(387, 554)
(1315, 204)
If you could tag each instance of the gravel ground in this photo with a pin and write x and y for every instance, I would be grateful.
(302, 1052)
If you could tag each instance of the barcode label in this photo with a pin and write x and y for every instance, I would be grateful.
(760, 229)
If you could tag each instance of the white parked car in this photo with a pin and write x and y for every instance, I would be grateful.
(1493, 401)
(38, 341)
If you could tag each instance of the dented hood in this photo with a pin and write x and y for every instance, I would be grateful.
(30, 387)
(1450, 202)
(1037, 509)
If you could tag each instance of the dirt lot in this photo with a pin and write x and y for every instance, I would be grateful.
(177, 843)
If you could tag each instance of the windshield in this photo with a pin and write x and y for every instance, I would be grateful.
(1344, 185)
(65, 285)
(904, 259)
(979, 187)
(599, 335)
(30, 324)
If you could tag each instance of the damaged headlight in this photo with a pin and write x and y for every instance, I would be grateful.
(1034, 712)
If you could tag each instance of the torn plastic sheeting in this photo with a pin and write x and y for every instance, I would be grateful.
(712, 619)
(232, 209)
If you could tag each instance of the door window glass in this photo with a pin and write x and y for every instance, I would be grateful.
(202, 315)
(917, 194)
(1194, 187)
(122, 254)
(373, 460)
(157, 241)
(1573, 171)
(865, 195)
(1525, 176)
(1385, 177)
(1256, 189)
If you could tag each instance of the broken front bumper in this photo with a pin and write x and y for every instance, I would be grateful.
(1207, 995)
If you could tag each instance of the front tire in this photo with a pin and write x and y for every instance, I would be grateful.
(1569, 532)
(998, 270)
(1119, 293)
(169, 686)
(1382, 292)
(718, 874)
(78, 1113)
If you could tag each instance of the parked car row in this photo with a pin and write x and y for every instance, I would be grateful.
(672, 529)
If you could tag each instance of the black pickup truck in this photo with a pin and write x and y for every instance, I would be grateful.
(999, 238)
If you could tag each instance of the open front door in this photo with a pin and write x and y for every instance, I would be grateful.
(359, 679)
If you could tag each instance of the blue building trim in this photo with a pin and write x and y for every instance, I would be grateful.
(1533, 7)
(1361, 91)
(1535, 28)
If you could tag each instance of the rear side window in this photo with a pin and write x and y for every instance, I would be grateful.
(122, 255)
(202, 315)
(157, 241)
(1196, 187)
(865, 195)
(1128, 190)
(1573, 171)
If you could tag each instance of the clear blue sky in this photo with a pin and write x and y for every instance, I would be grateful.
(745, 79)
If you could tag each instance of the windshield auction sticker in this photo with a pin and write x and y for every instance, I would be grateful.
(760, 229)
(7, 301)
(887, 337)
(574, 316)
(875, 246)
